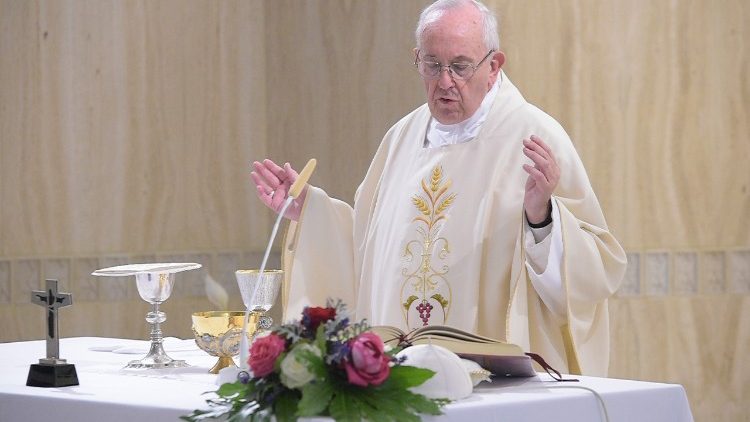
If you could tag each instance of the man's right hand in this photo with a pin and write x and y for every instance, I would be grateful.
(272, 184)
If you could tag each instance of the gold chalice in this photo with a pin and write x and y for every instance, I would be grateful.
(218, 334)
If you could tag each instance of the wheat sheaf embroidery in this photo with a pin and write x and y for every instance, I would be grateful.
(426, 287)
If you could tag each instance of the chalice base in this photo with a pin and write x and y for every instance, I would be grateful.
(223, 362)
(157, 359)
(144, 363)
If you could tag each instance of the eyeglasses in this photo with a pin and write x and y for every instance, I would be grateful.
(458, 70)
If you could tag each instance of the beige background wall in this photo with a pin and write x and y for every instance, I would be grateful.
(126, 129)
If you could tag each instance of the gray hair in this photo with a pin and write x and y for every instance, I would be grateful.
(433, 12)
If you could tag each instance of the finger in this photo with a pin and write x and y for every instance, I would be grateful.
(260, 183)
(537, 175)
(290, 172)
(535, 147)
(530, 183)
(541, 163)
(544, 145)
(552, 170)
(263, 171)
(274, 168)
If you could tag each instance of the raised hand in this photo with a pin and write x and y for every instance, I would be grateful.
(542, 181)
(272, 184)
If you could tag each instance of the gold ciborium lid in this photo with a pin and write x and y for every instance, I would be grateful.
(218, 334)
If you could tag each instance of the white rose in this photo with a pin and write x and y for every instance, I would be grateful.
(294, 372)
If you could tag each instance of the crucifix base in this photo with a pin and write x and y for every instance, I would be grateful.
(52, 375)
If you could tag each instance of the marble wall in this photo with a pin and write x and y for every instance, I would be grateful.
(126, 128)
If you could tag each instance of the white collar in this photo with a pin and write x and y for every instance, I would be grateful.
(439, 134)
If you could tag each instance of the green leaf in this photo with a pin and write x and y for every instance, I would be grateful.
(314, 363)
(217, 411)
(404, 376)
(403, 404)
(422, 404)
(315, 398)
(375, 415)
(247, 410)
(197, 415)
(230, 389)
(344, 409)
(320, 338)
(285, 406)
(370, 413)
(231, 398)
(391, 406)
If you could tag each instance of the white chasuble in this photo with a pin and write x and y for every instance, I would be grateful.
(436, 237)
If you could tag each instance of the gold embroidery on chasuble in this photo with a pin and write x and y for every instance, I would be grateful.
(425, 292)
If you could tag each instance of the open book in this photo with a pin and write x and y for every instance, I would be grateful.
(500, 358)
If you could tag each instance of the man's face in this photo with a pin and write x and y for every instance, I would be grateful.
(457, 37)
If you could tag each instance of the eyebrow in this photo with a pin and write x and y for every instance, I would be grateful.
(458, 59)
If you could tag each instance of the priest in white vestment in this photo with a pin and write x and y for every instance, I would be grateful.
(476, 212)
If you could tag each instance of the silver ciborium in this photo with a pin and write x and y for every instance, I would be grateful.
(154, 282)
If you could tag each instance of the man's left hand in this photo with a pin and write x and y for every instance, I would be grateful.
(542, 181)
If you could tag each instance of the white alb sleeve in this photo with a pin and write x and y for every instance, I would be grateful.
(543, 262)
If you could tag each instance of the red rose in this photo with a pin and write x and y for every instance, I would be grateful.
(313, 317)
(263, 354)
(368, 363)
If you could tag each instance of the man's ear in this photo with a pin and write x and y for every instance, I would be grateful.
(498, 60)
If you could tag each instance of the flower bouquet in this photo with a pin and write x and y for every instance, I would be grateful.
(322, 365)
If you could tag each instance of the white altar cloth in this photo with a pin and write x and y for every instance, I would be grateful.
(112, 394)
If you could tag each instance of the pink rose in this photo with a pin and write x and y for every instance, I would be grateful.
(368, 363)
(263, 354)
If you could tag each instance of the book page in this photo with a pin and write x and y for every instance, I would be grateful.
(390, 335)
(461, 346)
(446, 331)
(453, 339)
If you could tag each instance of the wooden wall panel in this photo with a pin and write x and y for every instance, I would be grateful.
(128, 126)
(340, 74)
(699, 342)
(656, 97)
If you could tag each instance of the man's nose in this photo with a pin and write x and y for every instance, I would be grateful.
(445, 78)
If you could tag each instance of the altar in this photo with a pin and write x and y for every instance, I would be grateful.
(107, 392)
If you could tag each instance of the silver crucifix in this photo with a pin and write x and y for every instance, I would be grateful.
(52, 300)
